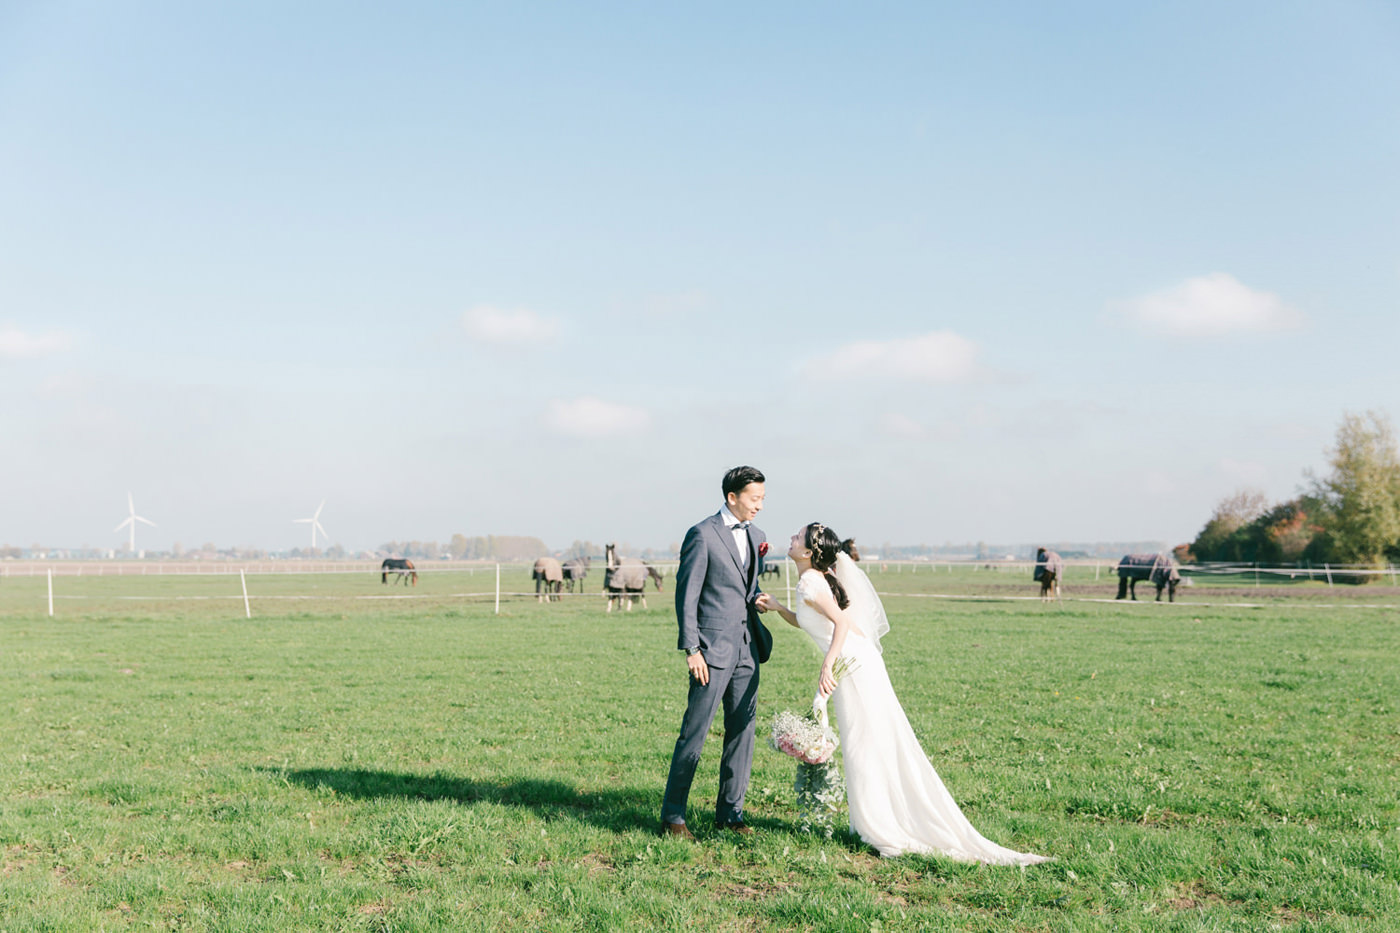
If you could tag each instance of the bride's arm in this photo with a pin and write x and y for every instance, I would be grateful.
(841, 625)
(766, 602)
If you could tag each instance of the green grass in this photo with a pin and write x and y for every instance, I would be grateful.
(366, 764)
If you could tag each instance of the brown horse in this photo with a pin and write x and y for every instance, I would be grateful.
(400, 565)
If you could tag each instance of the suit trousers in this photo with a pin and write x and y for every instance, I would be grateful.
(736, 689)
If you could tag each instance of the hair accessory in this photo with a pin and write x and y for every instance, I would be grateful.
(816, 536)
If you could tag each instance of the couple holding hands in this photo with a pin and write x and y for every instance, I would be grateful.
(897, 801)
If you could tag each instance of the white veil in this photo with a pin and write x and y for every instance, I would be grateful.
(865, 610)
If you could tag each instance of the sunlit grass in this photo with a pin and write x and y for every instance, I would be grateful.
(349, 763)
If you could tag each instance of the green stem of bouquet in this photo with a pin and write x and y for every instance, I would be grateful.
(821, 790)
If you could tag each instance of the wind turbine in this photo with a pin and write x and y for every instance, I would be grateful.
(131, 521)
(315, 523)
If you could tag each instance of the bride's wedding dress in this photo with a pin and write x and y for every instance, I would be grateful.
(897, 801)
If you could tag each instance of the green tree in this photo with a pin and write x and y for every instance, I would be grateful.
(1218, 540)
(1289, 529)
(1361, 495)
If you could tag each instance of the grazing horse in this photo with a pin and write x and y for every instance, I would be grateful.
(576, 568)
(771, 570)
(1158, 568)
(400, 565)
(549, 577)
(1049, 570)
(626, 578)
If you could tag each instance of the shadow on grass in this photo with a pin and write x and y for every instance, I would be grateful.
(616, 809)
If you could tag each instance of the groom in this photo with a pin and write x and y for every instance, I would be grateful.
(724, 642)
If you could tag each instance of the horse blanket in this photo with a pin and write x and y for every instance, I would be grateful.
(631, 574)
(1158, 568)
(1048, 561)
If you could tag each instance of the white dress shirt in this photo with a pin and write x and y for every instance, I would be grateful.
(741, 535)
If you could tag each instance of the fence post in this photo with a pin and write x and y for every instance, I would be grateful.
(50, 592)
(247, 609)
(1256, 574)
(1328, 569)
(498, 589)
(787, 579)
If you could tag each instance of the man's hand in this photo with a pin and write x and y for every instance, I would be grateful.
(764, 603)
(698, 668)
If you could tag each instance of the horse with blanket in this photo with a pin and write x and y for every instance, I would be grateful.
(1159, 569)
(548, 575)
(575, 569)
(626, 578)
(1049, 570)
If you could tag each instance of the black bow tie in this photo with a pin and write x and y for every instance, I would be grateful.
(742, 525)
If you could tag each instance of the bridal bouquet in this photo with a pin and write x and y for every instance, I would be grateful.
(809, 738)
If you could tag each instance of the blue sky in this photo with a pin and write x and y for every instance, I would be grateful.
(944, 272)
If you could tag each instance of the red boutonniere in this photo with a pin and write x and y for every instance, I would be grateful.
(763, 549)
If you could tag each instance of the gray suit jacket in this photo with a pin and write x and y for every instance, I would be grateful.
(715, 595)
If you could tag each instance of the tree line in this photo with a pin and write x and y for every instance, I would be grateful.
(1350, 515)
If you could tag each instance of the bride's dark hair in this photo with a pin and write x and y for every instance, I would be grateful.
(825, 544)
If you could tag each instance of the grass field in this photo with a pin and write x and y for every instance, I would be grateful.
(352, 763)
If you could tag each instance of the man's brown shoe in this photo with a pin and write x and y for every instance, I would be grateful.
(677, 829)
(737, 827)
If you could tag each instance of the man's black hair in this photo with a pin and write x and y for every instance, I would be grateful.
(739, 477)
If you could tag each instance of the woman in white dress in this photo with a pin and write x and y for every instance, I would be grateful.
(897, 801)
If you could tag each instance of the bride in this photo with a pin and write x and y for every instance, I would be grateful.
(897, 801)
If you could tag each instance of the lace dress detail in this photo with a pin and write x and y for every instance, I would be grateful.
(898, 802)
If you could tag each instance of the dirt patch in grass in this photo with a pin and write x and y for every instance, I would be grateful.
(756, 892)
(1194, 896)
(1290, 915)
(597, 864)
(15, 860)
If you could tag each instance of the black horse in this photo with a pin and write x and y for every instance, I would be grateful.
(400, 565)
(576, 568)
(1158, 568)
(1049, 570)
(771, 570)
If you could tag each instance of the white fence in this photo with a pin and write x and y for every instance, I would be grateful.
(490, 572)
(491, 588)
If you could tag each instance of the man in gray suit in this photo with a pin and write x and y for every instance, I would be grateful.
(724, 643)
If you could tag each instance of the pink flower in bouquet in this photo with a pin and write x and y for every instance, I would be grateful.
(800, 737)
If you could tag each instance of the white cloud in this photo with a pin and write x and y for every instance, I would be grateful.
(15, 344)
(589, 416)
(508, 326)
(940, 356)
(1215, 305)
(896, 425)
